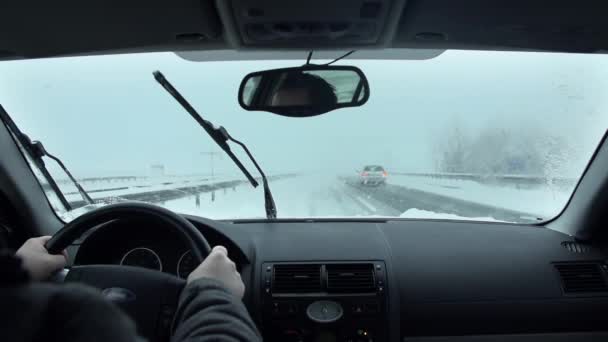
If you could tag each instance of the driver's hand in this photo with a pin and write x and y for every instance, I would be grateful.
(218, 266)
(38, 262)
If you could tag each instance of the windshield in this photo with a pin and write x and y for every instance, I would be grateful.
(373, 168)
(492, 136)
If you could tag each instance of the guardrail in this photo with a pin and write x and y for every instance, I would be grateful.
(112, 183)
(493, 179)
(149, 189)
(104, 179)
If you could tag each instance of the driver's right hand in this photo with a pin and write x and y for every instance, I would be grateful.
(218, 266)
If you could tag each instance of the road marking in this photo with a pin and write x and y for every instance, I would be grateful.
(366, 204)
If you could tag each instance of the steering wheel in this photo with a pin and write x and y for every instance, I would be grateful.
(149, 297)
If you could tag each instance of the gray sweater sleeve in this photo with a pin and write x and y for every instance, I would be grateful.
(207, 311)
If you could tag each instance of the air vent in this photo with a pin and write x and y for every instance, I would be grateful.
(577, 247)
(296, 278)
(582, 277)
(351, 278)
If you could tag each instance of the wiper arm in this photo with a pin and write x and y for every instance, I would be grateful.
(40, 151)
(221, 136)
(271, 209)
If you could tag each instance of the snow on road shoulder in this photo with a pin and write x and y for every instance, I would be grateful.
(117, 188)
(544, 201)
(425, 214)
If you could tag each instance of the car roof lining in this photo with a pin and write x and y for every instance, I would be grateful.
(94, 27)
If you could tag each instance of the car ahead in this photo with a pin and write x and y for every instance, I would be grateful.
(373, 175)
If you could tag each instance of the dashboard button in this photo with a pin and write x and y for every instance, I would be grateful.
(276, 308)
(292, 309)
(371, 308)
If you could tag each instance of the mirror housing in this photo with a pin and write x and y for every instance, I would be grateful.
(304, 91)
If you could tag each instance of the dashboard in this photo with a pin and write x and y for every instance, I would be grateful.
(403, 280)
(147, 258)
(145, 244)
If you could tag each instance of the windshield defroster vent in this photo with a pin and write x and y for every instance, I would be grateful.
(578, 278)
(296, 278)
(577, 247)
(352, 278)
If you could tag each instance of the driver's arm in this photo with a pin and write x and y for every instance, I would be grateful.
(210, 307)
(35, 311)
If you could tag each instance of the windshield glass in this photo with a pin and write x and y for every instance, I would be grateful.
(493, 136)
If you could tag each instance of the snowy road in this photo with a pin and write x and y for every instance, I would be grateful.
(304, 196)
(332, 196)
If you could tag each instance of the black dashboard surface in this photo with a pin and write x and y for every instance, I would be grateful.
(444, 278)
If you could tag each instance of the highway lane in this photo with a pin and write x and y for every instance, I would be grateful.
(324, 196)
(302, 196)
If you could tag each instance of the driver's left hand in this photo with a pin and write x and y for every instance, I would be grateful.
(38, 262)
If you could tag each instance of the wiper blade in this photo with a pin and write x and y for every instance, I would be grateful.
(221, 137)
(27, 145)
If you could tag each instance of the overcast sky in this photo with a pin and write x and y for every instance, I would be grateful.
(106, 115)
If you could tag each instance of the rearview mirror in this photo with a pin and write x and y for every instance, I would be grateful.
(304, 91)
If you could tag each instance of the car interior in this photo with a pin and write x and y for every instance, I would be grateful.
(325, 279)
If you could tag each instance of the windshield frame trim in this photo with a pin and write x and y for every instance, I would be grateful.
(370, 220)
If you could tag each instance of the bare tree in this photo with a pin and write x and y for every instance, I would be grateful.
(493, 151)
(452, 148)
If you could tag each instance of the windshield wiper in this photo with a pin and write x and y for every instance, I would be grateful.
(36, 150)
(40, 152)
(221, 136)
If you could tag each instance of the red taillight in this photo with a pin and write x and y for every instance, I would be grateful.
(364, 174)
(384, 174)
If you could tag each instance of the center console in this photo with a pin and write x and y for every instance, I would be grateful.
(325, 301)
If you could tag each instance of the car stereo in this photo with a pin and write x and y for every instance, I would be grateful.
(326, 301)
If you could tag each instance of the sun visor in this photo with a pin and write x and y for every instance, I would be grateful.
(232, 55)
(301, 24)
(92, 27)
